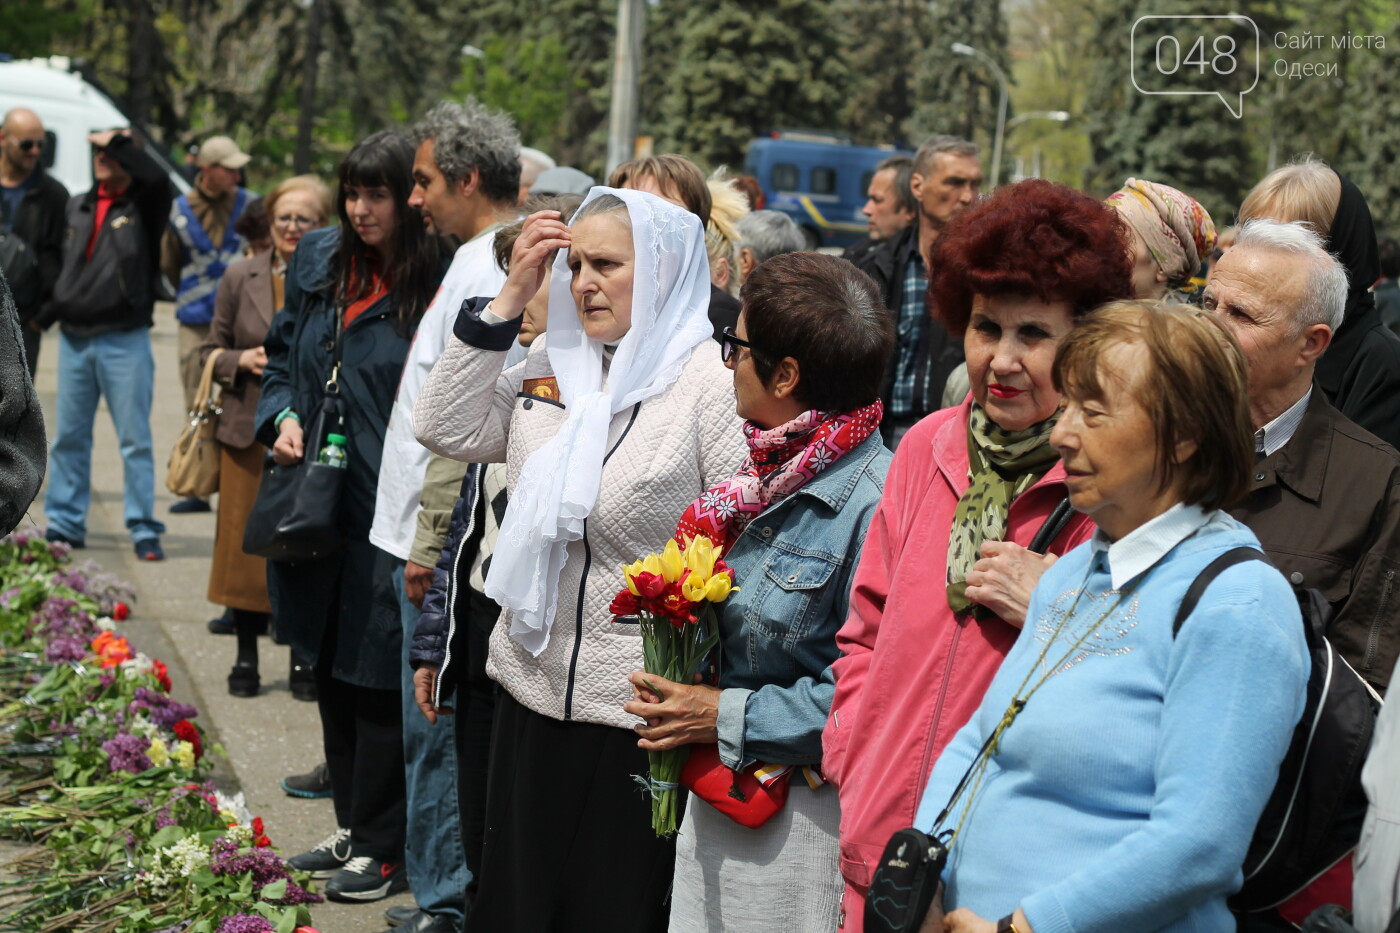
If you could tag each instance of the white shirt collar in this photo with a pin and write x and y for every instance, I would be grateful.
(1277, 433)
(1142, 547)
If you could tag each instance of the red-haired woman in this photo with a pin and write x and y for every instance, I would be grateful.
(945, 575)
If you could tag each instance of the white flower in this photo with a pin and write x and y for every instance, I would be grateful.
(135, 667)
(106, 624)
(234, 806)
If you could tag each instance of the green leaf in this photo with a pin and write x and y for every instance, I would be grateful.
(274, 891)
(166, 836)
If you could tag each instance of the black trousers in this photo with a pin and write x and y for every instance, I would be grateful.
(569, 845)
(362, 730)
(475, 706)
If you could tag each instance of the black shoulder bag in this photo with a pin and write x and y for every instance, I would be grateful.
(296, 515)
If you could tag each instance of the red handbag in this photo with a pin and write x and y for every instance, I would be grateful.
(739, 795)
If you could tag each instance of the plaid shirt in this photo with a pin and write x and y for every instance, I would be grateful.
(909, 397)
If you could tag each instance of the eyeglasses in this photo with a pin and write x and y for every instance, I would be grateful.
(26, 145)
(730, 344)
(294, 220)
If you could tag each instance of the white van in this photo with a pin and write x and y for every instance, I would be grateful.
(71, 108)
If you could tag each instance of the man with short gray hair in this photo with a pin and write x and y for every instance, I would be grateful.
(466, 176)
(1325, 494)
(763, 235)
(945, 180)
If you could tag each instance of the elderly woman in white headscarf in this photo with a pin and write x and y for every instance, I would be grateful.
(621, 415)
(1171, 234)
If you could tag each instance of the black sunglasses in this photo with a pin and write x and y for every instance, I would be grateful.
(27, 144)
(731, 343)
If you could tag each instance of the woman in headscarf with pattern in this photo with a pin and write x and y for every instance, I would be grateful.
(1171, 233)
(945, 573)
(808, 354)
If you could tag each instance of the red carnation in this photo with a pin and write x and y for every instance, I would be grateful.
(186, 731)
(260, 839)
(121, 611)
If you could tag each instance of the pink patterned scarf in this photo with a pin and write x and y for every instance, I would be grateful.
(780, 461)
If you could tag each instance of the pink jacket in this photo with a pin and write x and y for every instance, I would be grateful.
(911, 673)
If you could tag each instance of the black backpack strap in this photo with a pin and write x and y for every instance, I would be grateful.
(1055, 524)
(1214, 569)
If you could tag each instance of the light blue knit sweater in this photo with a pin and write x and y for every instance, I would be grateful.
(1125, 794)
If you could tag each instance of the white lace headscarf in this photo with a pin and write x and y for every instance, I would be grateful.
(559, 483)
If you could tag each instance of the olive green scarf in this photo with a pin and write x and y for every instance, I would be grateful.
(1001, 465)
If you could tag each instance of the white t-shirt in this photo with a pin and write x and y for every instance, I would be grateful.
(474, 274)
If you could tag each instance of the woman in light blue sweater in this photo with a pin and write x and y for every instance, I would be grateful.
(1123, 794)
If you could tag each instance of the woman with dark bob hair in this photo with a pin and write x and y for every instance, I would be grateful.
(945, 574)
(1119, 762)
(363, 285)
(808, 356)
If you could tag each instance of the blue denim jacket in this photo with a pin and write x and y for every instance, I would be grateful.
(793, 566)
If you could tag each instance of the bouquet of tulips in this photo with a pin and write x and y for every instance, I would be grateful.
(672, 596)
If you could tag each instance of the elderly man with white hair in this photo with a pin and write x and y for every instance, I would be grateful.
(763, 235)
(1325, 496)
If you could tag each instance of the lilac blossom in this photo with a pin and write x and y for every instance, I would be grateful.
(263, 864)
(163, 711)
(244, 923)
(127, 752)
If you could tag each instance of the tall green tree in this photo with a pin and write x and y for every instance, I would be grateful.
(958, 94)
(740, 70)
(1186, 141)
(884, 41)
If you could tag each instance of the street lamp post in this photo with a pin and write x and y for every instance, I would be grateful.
(963, 49)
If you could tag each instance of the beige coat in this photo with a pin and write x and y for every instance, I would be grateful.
(662, 454)
(243, 309)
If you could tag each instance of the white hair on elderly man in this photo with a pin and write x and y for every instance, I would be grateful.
(766, 234)
(1325, 291)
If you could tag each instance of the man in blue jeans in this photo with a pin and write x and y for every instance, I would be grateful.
(466, 177)
(103, 301)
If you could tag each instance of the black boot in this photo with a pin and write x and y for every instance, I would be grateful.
(243, 680)
(302, 680)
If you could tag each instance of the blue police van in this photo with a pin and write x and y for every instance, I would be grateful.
(819, 180)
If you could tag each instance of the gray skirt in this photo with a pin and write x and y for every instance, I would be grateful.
(784, 875)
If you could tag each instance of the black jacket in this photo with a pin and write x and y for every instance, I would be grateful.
(937, 352)
(439, 638)
(39, 222)
(116, 288)
(357, 581)
(1360, 372)
(23, 451)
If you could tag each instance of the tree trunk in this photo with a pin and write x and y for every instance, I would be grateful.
(142, 42)
(306, 115)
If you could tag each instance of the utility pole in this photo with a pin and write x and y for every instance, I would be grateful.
(627, 64)
(306, 115)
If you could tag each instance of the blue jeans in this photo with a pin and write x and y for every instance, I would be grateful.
(434, 855)
(119, 367)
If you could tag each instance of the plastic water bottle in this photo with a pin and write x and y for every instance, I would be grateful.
(333, 454)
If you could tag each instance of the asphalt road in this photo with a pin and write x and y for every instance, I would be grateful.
(266, 737)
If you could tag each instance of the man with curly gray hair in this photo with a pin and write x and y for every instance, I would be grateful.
(466, 176)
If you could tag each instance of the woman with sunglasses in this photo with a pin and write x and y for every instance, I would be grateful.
(808, 355)
(249, 294)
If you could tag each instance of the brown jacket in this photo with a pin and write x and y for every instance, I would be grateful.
(1326, 507)
(243, 309)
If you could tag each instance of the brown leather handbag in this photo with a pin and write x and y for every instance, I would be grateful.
(193, 470)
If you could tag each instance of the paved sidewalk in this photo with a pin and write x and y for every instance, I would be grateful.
(266, 737)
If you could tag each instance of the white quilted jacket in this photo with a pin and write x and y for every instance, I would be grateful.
(662, 454)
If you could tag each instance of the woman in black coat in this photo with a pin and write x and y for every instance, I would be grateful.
(368, 283)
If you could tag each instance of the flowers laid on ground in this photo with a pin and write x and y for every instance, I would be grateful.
(672, 595)
(107, 774)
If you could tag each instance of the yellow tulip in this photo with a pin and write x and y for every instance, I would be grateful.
(628, 572)
(693, 588)
(700, 556)
(672, 564)
(652, 564)
(718, 588)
